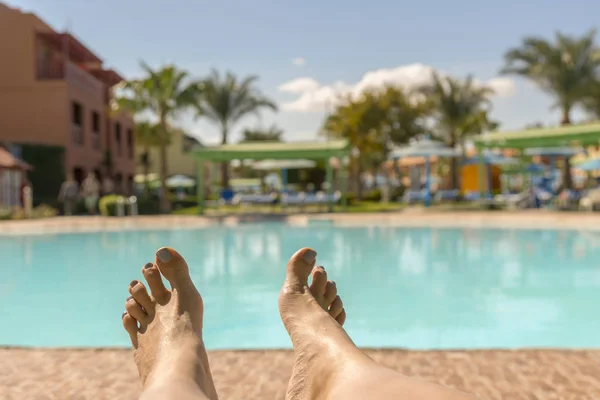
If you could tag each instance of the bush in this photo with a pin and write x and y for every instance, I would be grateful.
(48, 174)
(107, 204)
(350, 198)
(373, 195)
(397, 193)
(146, 206)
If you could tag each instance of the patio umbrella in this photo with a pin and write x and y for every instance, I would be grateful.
(268, 165)
(180, 181)
(425, 148)
(589, 165)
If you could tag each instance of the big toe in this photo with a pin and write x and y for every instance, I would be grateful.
(173, 267)
(298, 270)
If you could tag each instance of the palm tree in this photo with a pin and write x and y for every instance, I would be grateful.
(225, 100)
(162, 92)
(147, 136)
(460, 108)
(271, 134)
(565, 69)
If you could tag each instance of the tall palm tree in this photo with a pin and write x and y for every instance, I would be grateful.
(271, 134)
(163, 92)
(565, 69)
(225, 100)
(147, 135)
(460, 108)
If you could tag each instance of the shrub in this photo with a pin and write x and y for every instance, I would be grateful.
(373, 195)
(107, 203)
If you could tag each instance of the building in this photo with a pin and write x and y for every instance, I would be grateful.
(179, 161)
(12, 178)
(55, 93)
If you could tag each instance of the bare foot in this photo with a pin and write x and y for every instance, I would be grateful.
(327, 364)
(313, 316)
(167, 344)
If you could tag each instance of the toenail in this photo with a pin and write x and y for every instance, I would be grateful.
(124, 314)
(310, 256)
(148, 266)
(322, 267)
(164, 255)
(333, 283)
(133, 283)
(129, 298)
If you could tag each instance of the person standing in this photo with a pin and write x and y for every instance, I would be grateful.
(67, 195)
(90, 191)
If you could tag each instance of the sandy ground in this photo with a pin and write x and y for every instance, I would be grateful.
(492, 374)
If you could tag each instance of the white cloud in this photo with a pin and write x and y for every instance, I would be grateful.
(299, 61)
(314, 97)
(299, 86)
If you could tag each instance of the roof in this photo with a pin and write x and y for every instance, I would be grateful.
(572, 135)
(7, 160)
(77, 50)
(274, 150)
(108, 76)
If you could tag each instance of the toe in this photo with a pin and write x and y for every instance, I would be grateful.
(341, 318)
(135, 310)
(319, 282)
(157, 287)
(298, 270)
(336, 307)
(130, 325)
(330, 292)
(140, 295)
(173, 267)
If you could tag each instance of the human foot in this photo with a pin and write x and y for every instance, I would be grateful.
(167, 343)
(327, 364)
(313, 316)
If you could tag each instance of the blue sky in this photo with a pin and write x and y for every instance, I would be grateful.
(338, 41)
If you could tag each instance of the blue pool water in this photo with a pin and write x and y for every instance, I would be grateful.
(402, 287)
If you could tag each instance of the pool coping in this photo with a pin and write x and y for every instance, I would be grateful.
(409, 218)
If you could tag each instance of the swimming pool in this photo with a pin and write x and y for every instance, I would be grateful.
(417, 288)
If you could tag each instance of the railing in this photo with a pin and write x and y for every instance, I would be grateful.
(77, 76)
(50, 70)
(96, 140)
(77, 134)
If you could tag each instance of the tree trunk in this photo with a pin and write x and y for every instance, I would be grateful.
(567, 178)
(146, 161)
(225, 164)
(454, 170)
(165, 205)
(358, 177)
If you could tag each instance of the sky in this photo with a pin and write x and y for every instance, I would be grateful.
(307, 52)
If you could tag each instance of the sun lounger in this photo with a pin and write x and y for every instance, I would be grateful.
(447, 195)
(254, 199)
(413, 196)
(590, 201)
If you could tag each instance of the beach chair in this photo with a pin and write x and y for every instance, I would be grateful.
(413, 196)
(590, 201)
(447, 195)
(226, 197)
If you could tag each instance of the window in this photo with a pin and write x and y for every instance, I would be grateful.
(95, 130)
(118, 138)
(77, 123)
(130, 143)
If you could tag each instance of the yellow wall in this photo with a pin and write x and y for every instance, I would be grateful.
(470, 178)
(178, 161)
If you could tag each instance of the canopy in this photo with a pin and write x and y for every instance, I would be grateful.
(269, 165)
(424, 148)
(590, 165)
(569, 135)
(553, 151)
(141, 178)
(492, 159)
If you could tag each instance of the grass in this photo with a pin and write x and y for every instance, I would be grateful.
(357, 207)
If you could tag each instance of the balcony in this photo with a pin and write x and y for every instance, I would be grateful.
(71, 73)
(77, 134)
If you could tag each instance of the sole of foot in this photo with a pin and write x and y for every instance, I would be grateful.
(165, 326)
